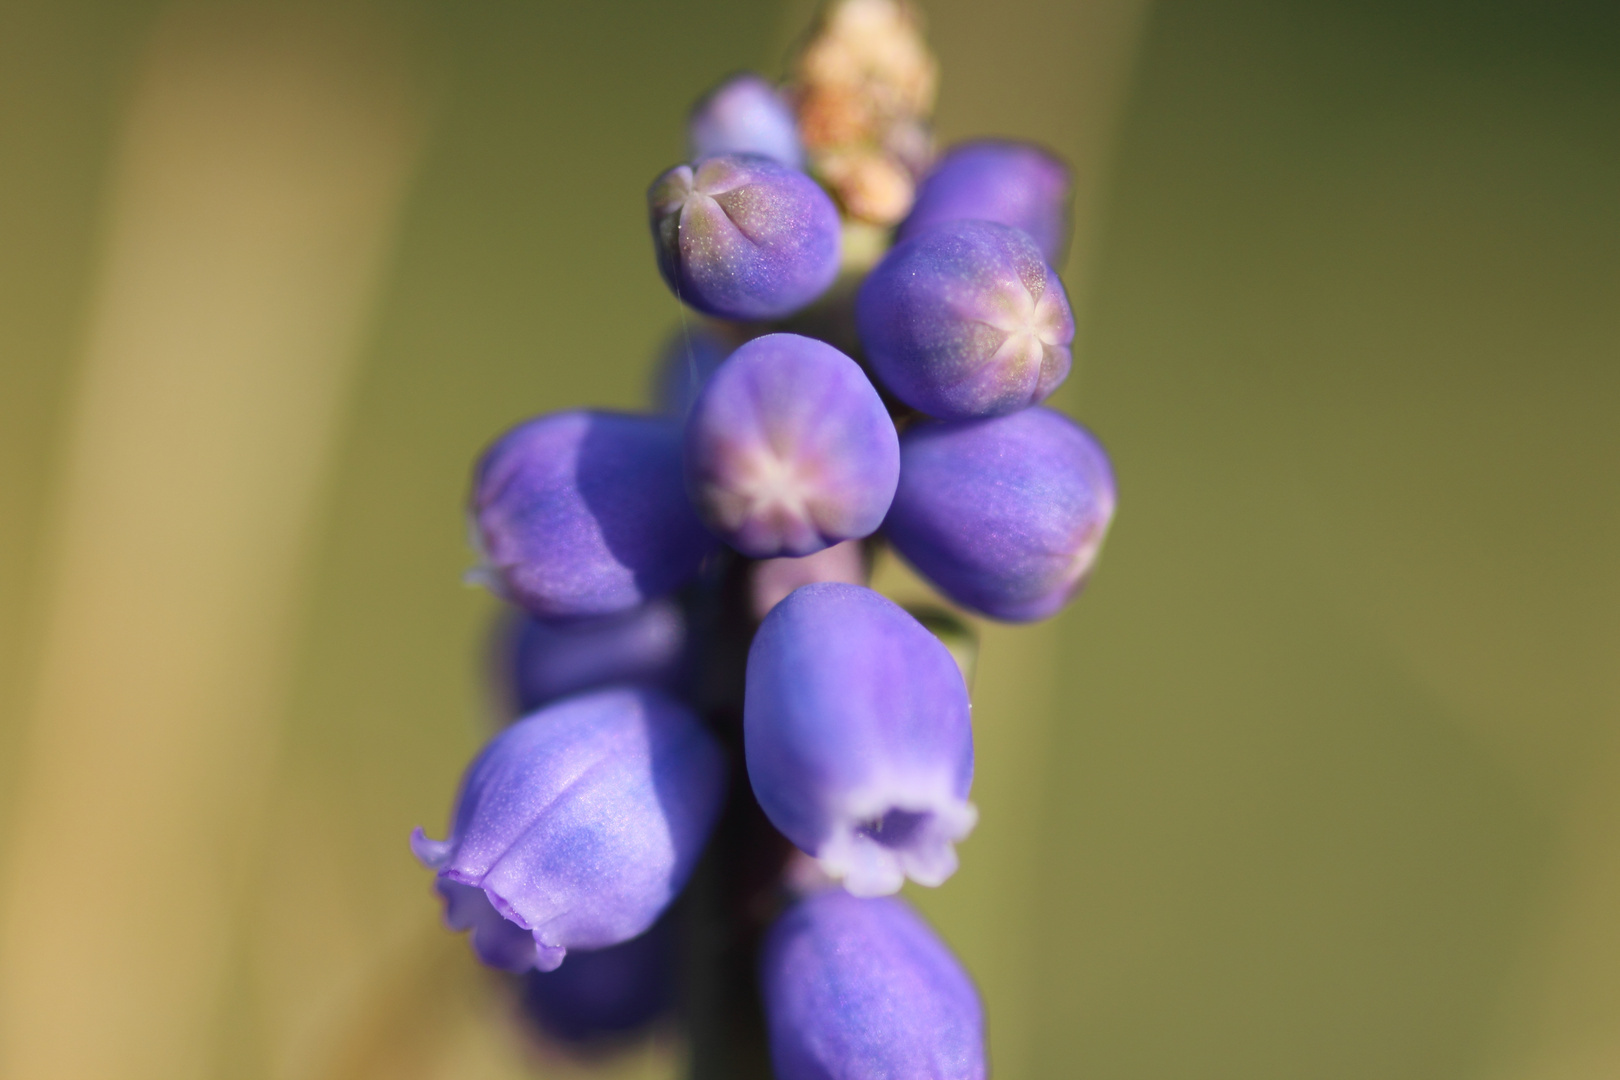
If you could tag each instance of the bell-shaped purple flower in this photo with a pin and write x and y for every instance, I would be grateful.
(547, 659)
(789, 449)
(688, 358)
(855, 723)
(742, 237)
(584, 513)
(1011, 183)
(1005, 515)
(605, 992)
(966, 319)
(863, 989)
(578, 824)
(745, 115)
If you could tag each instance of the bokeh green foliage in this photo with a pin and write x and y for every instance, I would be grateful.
(1345, 692)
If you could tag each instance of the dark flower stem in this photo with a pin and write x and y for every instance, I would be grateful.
(736, 889)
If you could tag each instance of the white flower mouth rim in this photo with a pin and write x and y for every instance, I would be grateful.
(925, 852)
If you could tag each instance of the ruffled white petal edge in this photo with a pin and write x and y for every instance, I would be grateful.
(495, 927)
(924, 827)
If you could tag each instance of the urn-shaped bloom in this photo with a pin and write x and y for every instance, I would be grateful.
(789, 449)
(743, 237)
(863, 989)
(745, 115)
(578, 824)
(966, 319)
(545, 659)
(1010, 183)
(605, 992)
(856, 731)
(583, 513)
(1005, 515)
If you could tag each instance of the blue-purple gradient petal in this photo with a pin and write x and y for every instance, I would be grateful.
(605, 992)
(497, 940)
(1005, 515)
(966, 319)
(857, 737)
(789, 449)
(743, 237)
(582, 821)
(1011, 183)
(862, 989)
(547, 659)
(745, 115)
(584, 513)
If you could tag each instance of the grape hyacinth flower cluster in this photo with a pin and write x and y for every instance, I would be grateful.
(729, 752)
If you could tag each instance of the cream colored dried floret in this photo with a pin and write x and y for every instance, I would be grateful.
(864, 87)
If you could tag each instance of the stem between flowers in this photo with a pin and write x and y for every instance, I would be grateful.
(735, 891)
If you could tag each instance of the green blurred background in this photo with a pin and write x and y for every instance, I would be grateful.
(1321, 778)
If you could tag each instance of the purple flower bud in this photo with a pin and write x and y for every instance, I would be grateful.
(549, 659)
(1005, 515)
(855, 723)
(584, 513)
(742, 237)
(688, 359)
(966, 319)
(579, 824)
(745, 115)
(1009, 183)
(605, 992)
(863, 989)
(789, 449)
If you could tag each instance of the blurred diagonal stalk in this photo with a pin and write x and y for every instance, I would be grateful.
(263, 159)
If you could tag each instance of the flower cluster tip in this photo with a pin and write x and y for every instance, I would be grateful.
(696, 654)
